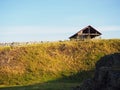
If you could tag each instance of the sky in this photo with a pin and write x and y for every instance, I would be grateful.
(53, 20)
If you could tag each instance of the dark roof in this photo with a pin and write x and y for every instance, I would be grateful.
(85, 30)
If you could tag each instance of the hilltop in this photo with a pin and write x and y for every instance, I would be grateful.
(67, 61)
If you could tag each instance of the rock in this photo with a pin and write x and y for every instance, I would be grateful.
(107, 75)
(112, 60)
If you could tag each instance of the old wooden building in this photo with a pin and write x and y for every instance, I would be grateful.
(86, 33)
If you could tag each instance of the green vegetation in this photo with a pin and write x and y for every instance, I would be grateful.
(52, 65)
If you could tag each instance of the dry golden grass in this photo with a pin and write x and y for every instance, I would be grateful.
(43, 62)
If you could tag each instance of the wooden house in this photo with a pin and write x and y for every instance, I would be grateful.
(86, 33)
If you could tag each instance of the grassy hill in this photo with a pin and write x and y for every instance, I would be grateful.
(65, 63)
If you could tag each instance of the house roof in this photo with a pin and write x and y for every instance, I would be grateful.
(85, 30)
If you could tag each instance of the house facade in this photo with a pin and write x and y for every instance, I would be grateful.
(86, 33)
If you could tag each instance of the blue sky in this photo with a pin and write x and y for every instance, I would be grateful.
(51, 20)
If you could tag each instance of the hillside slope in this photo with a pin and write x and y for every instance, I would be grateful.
(37, 63)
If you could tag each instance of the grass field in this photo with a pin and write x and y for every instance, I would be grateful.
(45, 86)
(51, 65)
(65, 83)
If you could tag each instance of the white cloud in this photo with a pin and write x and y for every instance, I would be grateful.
(49, 30)
(109, 31)
(34, 30)
(33, 33)
(109, 28)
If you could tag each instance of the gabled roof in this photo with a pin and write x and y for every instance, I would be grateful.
(86, 29)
